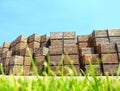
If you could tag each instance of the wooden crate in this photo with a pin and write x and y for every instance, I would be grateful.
(26, 61)
(16, 69)
(7, 61)
(54, 50)
(110, 69)
(57, 42)
(96, 68)
(44, 38)
(34, 44)
(83, 38)
(56, 35)
(114, 39)
(71, 70)
(106, 48)
(41, 51)
(83, 45)
(26, 70)
(6, 45)
(56, 60)
(39, 60)
(24, 52)
(69, 42)
(7, 54)
(71, 59)
(87, 50)
(99, 34)
(21, 38)
(114, 32)
(109, 58)
(4, 50)
(69, 35)
(71, 49)
(34, 37)
(45, 44)
(87, 58)
(97, 41)
(16, 60)
(21, 45)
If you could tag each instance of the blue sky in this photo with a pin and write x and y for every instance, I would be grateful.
(44, 16)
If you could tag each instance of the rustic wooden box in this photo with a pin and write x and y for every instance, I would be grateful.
(24, 52)
(110, 69)
(34, 37)
(21, 38)
(71, 59)
(44, 38)
(56, 60)
(42, 51)
(83, 38)
(57, 42)
(106, 48)
(45, 44)
(39, 60)
(55, 50)
(21, 45)
(26, 70)
(114, 32)
(27, 61)
(16, 69)
(83, 45)
(97, 69)
(16, 60)
(70, 42)
(71, 70)
(7, 54)
(69, 35)
(99, 33)
(93, 58)
(87, 50)
(56, 35)
(114, 39)
(34, 44)
(6, 45)
(70, 49)
(109, 58)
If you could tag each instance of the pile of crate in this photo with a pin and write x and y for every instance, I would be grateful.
(63, 51)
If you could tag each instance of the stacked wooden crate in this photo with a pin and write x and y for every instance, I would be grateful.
(56, 51)
(87, 55)
(70, 49)
(45, 41)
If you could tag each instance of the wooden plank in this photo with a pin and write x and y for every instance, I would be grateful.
(118, 47)
(45, 44)
(83, 45)
(34, 44)
(110, 69)
(26, 70)
(34, 37)
(114, 39)
(16, 60)
(97, 69)
(7, 54)
(44, 38)
(70, 49)
(71, 59)
(83, 38)
(70, 42)
(99, 34)
(97, 41)
(41, 51)
(88, 50)
(21, 45)
(109, 58)
(56, 60)
(16, 69)
(27, 61)
(106, 48)
(114, 32)
(90, 58)
(57, 42)
(69, 35)
(55, 50)
(39, 60)
(56, 35)
(24, 52)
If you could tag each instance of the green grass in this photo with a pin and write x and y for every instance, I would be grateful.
(59, 83)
